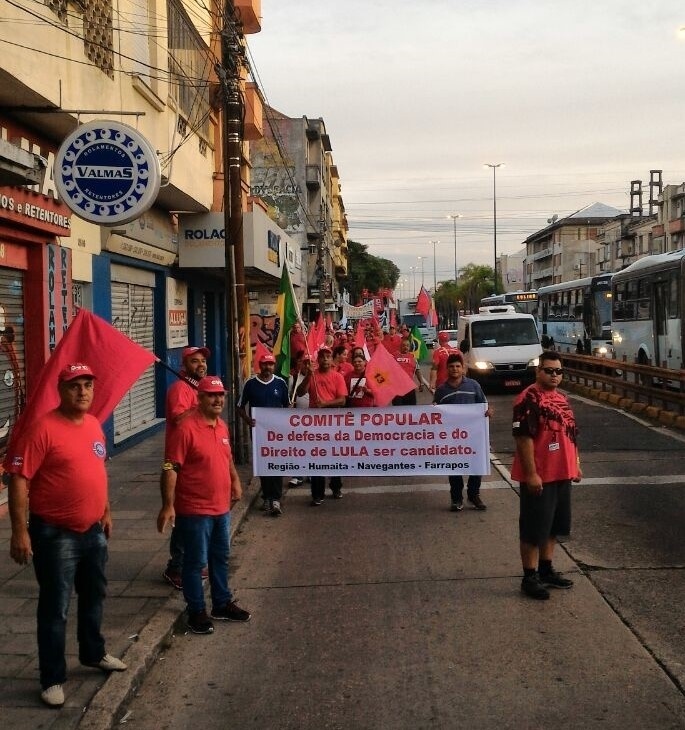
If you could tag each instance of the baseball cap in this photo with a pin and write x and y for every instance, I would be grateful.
(188, 351)
(443, 336)
(211, 384)
(73, 371)
(267, 357)
(323, 350)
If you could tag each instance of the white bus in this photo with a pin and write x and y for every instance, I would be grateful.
(577, 315)
(648, 310)
(525, 302)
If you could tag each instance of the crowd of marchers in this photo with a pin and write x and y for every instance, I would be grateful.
(58, 494)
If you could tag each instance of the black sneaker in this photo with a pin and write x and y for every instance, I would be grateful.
(276, 509)
(231, 612)
(531, 586)
(199, 623)
(554, 579)
(477, 502)
(337, 494)
(173, 578)
(316, 502)
(457, 506)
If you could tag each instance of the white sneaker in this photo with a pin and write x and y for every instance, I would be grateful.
(276, 508)
(296, 481)
(109, 663)
(53, 696)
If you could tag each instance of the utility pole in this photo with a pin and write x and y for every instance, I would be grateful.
(232, 113)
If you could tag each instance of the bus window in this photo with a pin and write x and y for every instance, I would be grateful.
(674, 295)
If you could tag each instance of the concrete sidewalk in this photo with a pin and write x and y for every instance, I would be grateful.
(140, 610)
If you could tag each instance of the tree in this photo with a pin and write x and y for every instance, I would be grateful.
(475, 282)
(365, 271)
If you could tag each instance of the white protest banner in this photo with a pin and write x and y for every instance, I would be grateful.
(412, 440)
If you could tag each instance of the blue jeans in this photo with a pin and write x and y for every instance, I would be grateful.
(205, 540)
(457, 486)
(64, 560)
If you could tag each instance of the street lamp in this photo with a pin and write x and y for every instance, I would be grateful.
(412, 271)
(435, 275)
(421, 259)
(494, 167)
(454, 217)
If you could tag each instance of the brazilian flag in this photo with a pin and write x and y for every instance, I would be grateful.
(287, 313)
(418, 346)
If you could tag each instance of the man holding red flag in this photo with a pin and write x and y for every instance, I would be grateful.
(59, 477)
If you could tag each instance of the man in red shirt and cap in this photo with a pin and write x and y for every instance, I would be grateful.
(58, 476)
(181, 400)
(438, 373)
(199, 484)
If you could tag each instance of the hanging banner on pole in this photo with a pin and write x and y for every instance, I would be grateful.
(413, 440)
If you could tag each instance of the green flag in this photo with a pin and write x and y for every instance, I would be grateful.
(418, 346)
(287, 313)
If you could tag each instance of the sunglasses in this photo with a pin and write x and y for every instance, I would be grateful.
(553, 371)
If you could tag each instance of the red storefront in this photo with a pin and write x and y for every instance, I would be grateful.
(35, 279)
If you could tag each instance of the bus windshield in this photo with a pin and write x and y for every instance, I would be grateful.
(500, 332)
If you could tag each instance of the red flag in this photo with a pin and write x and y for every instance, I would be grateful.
(316, 336)
(260, 349)
(115, 359)
(329, 322)
(385, 377)
(423, 302)
(434, 318)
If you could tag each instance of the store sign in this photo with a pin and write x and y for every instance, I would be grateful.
(107, 172)
(36, 206)
(201, 240)
(59, 293)
(177, 313)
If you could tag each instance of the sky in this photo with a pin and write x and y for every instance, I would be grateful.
(575, 98)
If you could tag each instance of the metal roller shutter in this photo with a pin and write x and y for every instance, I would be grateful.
(133, 314)
(12, 369)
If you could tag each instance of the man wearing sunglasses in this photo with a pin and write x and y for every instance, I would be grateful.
(545, 463)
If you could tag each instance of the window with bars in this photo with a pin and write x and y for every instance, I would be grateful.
(190, 63)
(98, 31)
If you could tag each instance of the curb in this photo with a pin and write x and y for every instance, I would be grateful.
(104, 709)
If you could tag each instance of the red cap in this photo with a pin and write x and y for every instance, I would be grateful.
(443, 337)
(323, 350)
(76, 370)
(211, 384)
(188, 351)
(267, 357)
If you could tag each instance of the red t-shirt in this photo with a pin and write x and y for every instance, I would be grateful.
(546, 416)
(361, 398)
(326, 386)
(203, 484)
(440, 362)
(179, 398)
(407, 362)
(65, 465)
(344, 367)
(392, 343)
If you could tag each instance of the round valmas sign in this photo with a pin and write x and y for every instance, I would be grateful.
(107, 172)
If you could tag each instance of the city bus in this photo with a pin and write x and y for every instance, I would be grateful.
(648, 310)
(577, 315)
(524, 302)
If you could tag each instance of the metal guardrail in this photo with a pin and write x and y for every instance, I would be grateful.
(654, 386)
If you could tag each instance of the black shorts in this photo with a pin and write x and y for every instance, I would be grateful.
(545, 515)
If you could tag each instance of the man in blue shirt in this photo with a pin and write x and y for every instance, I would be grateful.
(458, 390)
(266, 390)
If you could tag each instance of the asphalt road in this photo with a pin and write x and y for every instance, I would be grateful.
(385, 610)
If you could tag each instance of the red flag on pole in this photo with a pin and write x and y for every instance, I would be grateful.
(260, 349)
(385, 377)
(116, 361)
(423, 302)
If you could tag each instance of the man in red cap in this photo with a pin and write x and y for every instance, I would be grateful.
(181, 400)
(199, 484)
(438, 373)
(265, 390)
(327, 389)
(58, 475)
